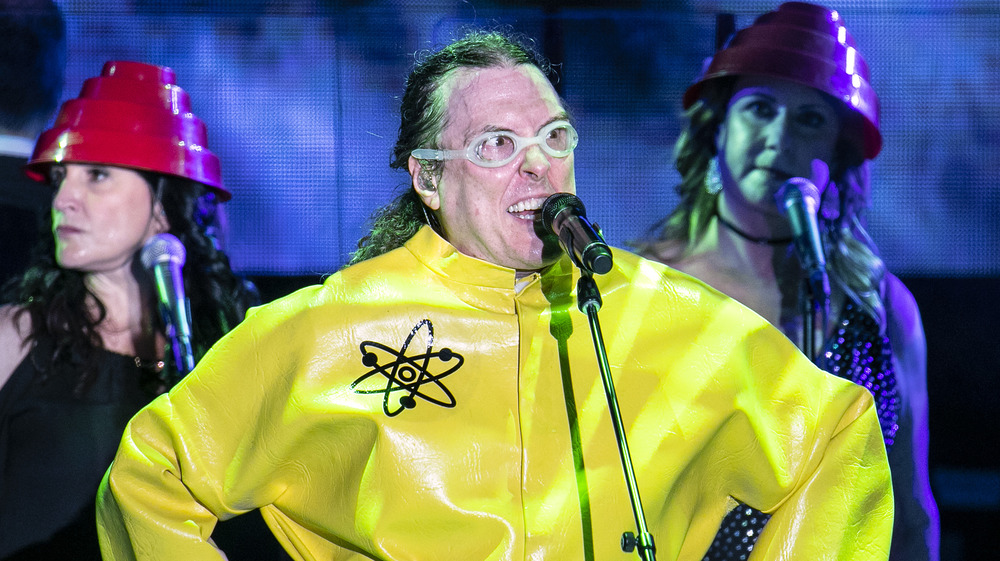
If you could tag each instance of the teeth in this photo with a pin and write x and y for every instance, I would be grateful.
(528, 205)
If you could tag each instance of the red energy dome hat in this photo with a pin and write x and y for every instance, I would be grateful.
(806, 44)
(133, 115)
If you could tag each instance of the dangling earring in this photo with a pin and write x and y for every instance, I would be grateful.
(713, 178)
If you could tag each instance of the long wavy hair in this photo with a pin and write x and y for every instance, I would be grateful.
(62, 307)
(853, 260)
(422, 119)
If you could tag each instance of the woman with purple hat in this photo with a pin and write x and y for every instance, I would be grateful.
(773, 160)
(83, 345)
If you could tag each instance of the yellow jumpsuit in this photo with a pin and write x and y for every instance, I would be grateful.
(417, 407)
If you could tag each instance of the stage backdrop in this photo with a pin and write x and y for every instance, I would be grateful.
(301, 101)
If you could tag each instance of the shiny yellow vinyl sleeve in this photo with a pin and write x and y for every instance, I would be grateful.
(417, 407)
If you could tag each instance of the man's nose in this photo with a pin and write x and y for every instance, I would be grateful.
(536, 161)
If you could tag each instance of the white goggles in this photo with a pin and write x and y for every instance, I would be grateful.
(497, 148)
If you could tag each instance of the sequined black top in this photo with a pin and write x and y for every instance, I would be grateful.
(858, 352)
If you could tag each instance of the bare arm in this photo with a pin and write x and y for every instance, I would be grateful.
(916, 529)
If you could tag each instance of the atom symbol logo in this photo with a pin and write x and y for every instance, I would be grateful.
(407, 375)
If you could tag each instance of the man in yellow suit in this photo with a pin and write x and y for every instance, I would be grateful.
(440, 398)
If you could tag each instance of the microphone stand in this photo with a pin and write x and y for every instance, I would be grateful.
(179, 345)
(816, 298)
(589, 302)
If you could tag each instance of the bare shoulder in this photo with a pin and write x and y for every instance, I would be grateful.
(902, 313)
(902, 306)
(905, 330)
(13, 335)
(675, 255)
(664, 251)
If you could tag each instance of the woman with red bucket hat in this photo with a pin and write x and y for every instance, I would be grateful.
(83, 345)
(774, 177)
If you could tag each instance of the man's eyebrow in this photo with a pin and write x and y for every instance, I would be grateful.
(563, 116)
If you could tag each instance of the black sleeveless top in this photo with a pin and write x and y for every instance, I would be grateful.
(55, 447)
(857, 352)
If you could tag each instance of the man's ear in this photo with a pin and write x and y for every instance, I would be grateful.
(424, 184)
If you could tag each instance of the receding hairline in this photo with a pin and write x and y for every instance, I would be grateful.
(451, 82)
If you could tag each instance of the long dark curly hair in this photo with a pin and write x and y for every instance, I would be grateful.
(61, 307)
(854, 263)
(422, 118)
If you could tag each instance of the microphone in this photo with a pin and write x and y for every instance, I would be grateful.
(798, 198)
(564, 215)
(164, 256)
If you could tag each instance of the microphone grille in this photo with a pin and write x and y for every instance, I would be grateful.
(798, 188)
(558, 202)
(162, 248)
